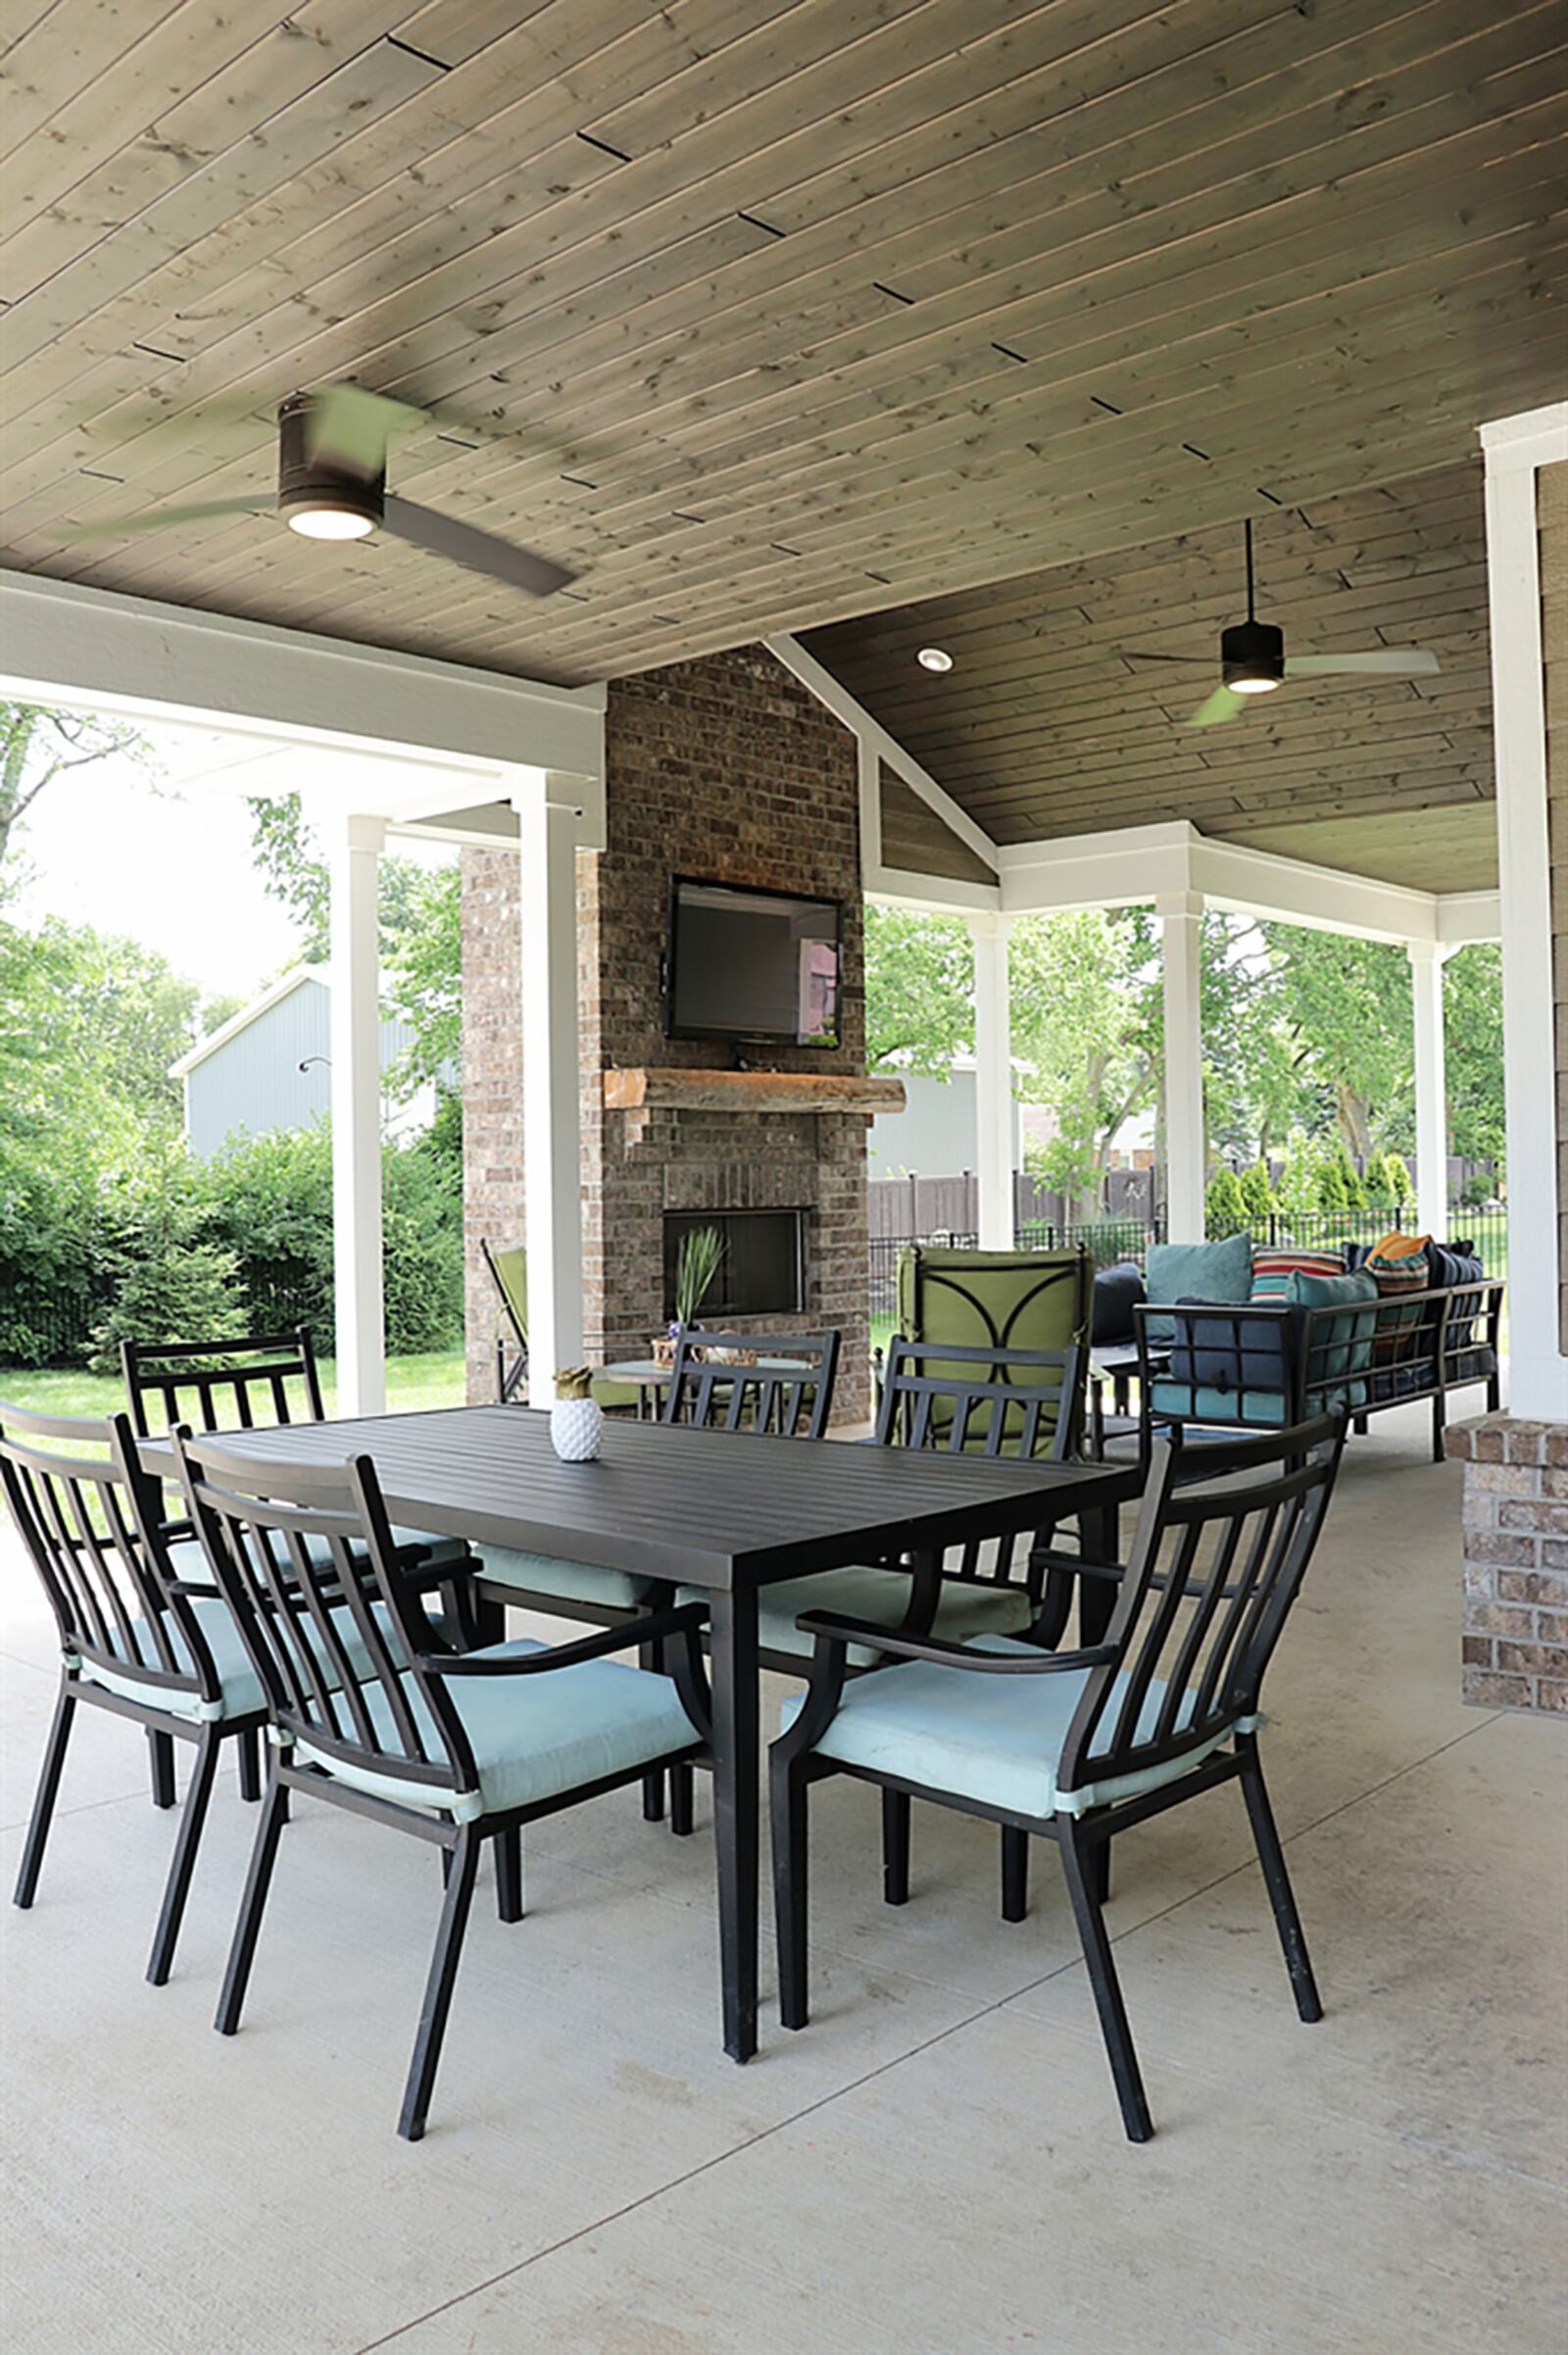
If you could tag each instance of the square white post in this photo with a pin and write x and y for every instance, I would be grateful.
(1515, 449)
(1181, 925)
(993, 1055)
(355, 1034)
(1431, 1088)
(550, 1123)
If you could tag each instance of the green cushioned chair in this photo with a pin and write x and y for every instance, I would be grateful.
(509, 1272)
(997, 1300)
(1076, 1746)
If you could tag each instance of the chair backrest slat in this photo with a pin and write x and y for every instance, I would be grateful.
(211, 1383)
(998, 1401)
(1214, 1570)
(735, 1382)
(308, 1570)
(92, 1525)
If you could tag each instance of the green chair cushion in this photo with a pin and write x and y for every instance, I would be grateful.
(995, 1740)
(532, 1738)
(864, 1592)
(572, 1581)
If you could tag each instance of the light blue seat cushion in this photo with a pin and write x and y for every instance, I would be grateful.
(993, 1738)
(439, 1550)
(532, 1737)
(882, 1596)
(243, 1693)
(573, 1582)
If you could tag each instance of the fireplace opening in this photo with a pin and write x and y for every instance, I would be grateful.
(762, 1272)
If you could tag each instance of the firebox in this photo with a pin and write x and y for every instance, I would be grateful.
(762, 1271)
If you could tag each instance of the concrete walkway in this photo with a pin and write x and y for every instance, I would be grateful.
(936, 2166)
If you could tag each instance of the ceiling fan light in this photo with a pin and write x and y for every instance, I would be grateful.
(324, 522)
(1252, 657)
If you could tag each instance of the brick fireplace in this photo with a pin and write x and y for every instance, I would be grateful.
(727, 769)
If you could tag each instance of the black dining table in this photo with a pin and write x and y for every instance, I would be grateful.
(727, 1511)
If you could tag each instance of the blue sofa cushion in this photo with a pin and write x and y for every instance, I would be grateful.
(1117, 1292)
(1204, 1271)
(1229, 1353)
(1339, 1344)
(995, 1740)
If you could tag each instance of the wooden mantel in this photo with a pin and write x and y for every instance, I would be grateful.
(640, 1090)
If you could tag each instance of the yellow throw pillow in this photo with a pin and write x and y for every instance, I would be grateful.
(1398, 1246)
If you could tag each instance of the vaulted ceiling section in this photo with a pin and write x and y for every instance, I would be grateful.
(1068, 706)
(765, 315)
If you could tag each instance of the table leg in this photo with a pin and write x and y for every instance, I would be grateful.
(736, 1700)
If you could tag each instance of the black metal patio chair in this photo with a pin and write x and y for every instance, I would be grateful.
(1079, 1745)
(456, 1748)
(137, 1638)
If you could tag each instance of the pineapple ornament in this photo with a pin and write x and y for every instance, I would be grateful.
(576, 1419)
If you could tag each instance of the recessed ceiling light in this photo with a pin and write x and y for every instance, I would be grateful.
(934, 658)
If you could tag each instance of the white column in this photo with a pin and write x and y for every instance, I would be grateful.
(357, 1118)
(1180, 926)
(993, 1055)
(1431, 1089)
(1538, 1384)
(551, 1124)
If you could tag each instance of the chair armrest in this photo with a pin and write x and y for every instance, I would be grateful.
(685, 1620)
(828, 1627)
(1047, 1558)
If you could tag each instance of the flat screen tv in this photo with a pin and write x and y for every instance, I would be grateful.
(745, 964)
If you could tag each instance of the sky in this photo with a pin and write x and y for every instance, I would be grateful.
(164, 858)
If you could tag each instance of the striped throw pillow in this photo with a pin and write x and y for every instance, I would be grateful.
(1272, 1269)
(1399, 1266)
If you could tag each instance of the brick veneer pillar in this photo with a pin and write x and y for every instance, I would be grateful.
(1515, 1640)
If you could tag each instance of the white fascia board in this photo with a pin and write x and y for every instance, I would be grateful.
(1138, 864)
(101, 651)
(931, 895)
(1117, 869)
(1323, 899)
(284, 987)
(844, 706)
(1468, 915)
(1534, 437)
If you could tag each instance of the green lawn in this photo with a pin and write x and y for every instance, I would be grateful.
(434, 1379)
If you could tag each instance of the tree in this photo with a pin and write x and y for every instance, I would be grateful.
(419, 908)
(1085, 1025)
(38, 748)
(1257, 1192)
(1348, 1004)
(920, 991)
(1471, 1022)
(1224, 1203)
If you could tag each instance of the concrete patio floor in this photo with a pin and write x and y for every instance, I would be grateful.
(936, 2166)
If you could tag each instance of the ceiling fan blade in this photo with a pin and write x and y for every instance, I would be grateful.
(1384, 662)
(1221, 706)
(164, 518)
(352, 427)
(1136, 654)
(480, 551)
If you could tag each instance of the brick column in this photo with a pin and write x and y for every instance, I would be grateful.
(1514, 1647)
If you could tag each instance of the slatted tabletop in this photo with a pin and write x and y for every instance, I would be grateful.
(709, 1508)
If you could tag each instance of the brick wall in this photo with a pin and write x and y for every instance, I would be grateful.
(728, 770)
(1514, 1647)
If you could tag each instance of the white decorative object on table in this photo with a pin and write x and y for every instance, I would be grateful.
(576, 1419)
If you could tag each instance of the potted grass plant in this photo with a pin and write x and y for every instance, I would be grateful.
(696, 1264)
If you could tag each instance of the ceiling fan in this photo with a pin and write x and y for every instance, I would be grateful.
(1253, 662)
(331, 485)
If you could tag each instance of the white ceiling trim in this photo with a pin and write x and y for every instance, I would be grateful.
(875, 737)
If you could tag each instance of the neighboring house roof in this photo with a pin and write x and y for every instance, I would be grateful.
(282, 988)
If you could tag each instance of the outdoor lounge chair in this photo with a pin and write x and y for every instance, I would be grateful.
(1076, 1746)
(509, 1272)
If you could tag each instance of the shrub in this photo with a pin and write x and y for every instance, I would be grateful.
(1225, 1204)
(172, 1281)
(1257, 1192)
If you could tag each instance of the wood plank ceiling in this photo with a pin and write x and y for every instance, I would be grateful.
(761, 313)
(1050, 723)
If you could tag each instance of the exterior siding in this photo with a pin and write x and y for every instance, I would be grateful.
(252, 1085)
